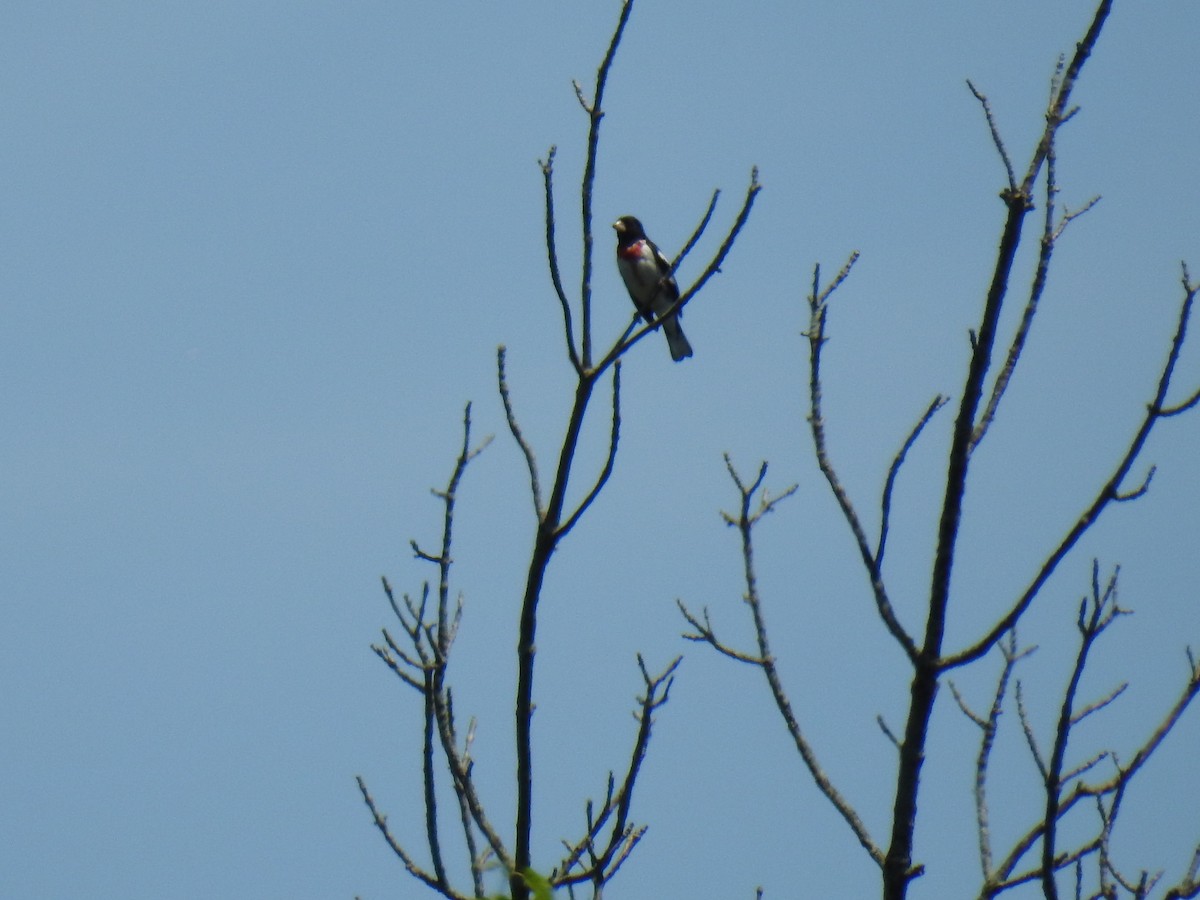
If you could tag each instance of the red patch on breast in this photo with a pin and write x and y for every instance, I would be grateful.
(634, 252)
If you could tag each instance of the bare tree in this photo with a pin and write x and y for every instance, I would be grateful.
(1087, 796)
(1097, 786)
(421, 657)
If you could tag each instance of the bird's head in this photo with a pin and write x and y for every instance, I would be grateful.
(629, 229)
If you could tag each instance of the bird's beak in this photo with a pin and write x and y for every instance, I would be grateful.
(619, 226)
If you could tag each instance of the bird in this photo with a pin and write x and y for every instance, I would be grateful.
(647, 276)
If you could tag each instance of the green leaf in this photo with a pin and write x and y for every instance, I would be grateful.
(540, 886)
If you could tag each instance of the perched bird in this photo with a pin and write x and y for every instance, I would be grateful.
(646, 274)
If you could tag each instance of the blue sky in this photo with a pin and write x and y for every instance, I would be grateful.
(258, 256)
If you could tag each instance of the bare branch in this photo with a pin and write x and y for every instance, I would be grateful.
(989, 726)
(432, 836)
(996, 139)
(928, 663)
(431, 635)
(886, 503)
(817, 302)
(1030, 737)
(1062, 861)
(964, 708)
(1189, 885)
(823, 296)
(468, 826)
(623, 836)
(1070, 216)
(1182, 407)
(460, 766)
(535, 484)
(657, 693)
(1050, 234)
(421, 554)
(1094, 619)
(739, 223)
(415, 870)
(703, 632)
(1140, 889)
(1140, 490)
(614, 438)
(1092, 624)
(1190, 289)
(1097, 705)
(691, 242)
(1164, 727)
(887, 732)
(586, 844)
(745, 522)
(1110, 492)
(1058, 114)
(1086, 766)
(387, 657)
(553, 522)
(465, 456)
(595, 113)
(547, 167)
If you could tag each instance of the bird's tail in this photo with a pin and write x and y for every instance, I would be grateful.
(680, 348)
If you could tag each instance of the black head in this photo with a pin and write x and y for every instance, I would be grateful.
(629, 230)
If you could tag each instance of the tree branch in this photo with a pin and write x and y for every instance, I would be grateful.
(432, 639)
(1051, 231)
(1093, 621)
(817, 303)
(1110, 492)
(623, 836)
(886, 503)
(606, 472)
(433, 881)
(928, 667)
(989, 727)
(744, 521)
(547, 167)
(595, 113)
(996, 139)
(535, 485)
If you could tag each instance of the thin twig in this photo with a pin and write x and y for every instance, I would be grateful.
(613, 440)
(595, 113)
(1189, 885)
(817, 302)
(745, 520)
(894, 470)
(996, 139)
(988, 727)
(535, 484)
(623, 836)
(413, 869)
(700, 229)
(547, 167)
(1110, 492)
(1041, 273)
(1094, 619)
(431, 635)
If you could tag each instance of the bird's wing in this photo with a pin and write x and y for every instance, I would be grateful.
(669, 290)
